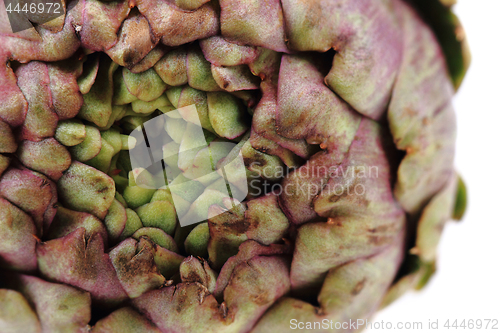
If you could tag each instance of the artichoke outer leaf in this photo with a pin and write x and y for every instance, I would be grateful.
(433, 219)
(123, 320)
(450, 34)
(17, 246)
(82, 263)
(460, 201)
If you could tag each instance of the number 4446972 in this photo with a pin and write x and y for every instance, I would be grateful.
(47, 7)
(473, 324)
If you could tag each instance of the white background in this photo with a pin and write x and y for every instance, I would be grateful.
(467, 285)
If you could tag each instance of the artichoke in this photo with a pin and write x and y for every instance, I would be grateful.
(224, 166)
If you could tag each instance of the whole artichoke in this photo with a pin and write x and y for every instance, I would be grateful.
(320, 187)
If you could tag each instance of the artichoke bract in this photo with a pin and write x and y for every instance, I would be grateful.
(224, 166)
